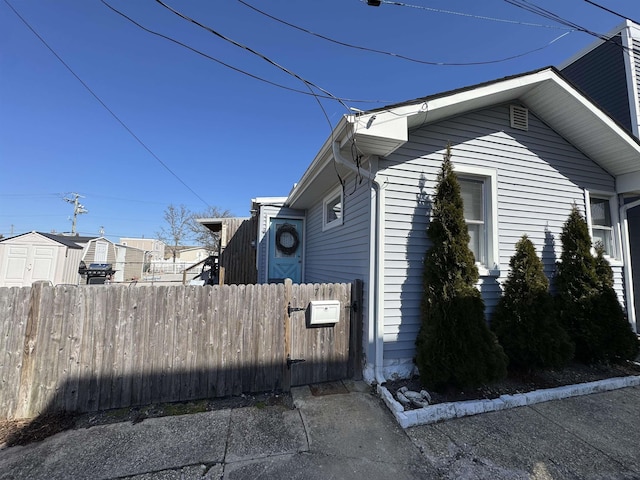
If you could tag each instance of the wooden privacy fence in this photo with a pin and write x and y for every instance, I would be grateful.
(70, 348)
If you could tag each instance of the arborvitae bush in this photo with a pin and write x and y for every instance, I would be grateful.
(454, 346)
(619, 341)
(524, 320)
(587, 304)
(576, 282)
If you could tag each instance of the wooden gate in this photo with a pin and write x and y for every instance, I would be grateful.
(327, 352)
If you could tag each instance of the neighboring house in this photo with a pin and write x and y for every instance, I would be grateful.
(155, 247)
(190, 254)
(36, 256)
(609, 72)
(526, 148)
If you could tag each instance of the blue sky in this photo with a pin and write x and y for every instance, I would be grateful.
(226, 136)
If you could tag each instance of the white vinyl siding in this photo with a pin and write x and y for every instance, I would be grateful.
(339, 254)
(635, 75)
(539, 176)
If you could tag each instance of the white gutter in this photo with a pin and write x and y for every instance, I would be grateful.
(627, 269)
(349, 164)
(375, 331)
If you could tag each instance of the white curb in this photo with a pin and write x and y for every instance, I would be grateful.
(446, 411)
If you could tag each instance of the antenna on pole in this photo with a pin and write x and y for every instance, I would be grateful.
(78, 209)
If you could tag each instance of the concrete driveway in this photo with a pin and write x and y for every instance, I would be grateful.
(350, 435)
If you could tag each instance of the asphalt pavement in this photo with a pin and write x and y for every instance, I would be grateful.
(346, 432)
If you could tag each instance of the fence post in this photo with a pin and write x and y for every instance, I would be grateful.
(286, 377)
(354, 368)
(29, 352)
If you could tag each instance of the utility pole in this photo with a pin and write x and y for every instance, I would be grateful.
(78, 209)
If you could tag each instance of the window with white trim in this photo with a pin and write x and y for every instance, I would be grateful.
(601, 223)
(478, 188)
(332, 209)
(473, 196)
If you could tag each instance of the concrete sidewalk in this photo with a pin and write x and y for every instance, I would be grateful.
(349, 435)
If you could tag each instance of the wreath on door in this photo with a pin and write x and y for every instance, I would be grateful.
(287, 240)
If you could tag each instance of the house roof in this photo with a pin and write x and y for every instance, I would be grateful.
(215, 224)
(71, 242)
(62, 239)
(546, 92)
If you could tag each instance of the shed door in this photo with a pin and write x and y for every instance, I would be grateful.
(43, 263)
(285, 250)
(25, 264)
(15, 267)
(100, 255)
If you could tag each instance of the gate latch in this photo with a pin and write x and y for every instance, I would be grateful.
(291, 309)
(291, 361)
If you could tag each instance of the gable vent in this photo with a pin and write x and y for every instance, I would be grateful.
(519, 117)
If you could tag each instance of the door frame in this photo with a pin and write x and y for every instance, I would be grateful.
(303, 219)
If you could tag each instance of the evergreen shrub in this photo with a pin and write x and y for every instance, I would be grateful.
(586, 301)
(454, 346)
(524, 320)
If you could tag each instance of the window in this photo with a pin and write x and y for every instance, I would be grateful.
(478, 187)
(601, 224)
(332, 209)
(474, 215)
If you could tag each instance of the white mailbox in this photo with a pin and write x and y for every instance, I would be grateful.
(322, 312)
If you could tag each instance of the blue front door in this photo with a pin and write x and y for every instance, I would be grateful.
(285, 250)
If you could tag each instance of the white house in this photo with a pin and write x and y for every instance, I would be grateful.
(526, 148)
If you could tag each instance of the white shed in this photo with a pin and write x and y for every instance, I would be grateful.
(36, 256)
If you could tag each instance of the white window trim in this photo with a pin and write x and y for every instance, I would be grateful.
(616, 259)
(490, 177)
(338, 221)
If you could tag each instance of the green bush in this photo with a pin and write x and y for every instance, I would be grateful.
(454, 345)
(524, 320)
(619, 343)
(587, 304)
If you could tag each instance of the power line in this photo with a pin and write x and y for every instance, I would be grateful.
(310, 85)
(611, 11)
(231, 67)
(543, 12)
(307, 83)
(104, 105)
(470, 15)
(400, 56)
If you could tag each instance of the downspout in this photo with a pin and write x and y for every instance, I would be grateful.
(376, 271)
(378, 281)
(627, 269)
